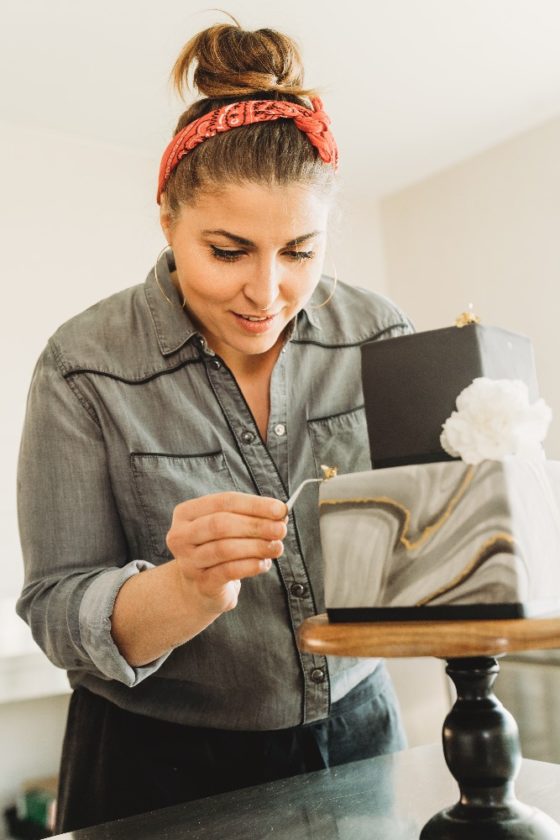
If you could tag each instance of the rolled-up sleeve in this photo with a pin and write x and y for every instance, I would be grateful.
(75, 553)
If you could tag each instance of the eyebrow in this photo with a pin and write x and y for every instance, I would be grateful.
(247, 243)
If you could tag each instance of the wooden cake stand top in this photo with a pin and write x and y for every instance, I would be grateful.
(445, 639)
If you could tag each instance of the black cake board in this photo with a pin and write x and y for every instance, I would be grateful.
(446, 612)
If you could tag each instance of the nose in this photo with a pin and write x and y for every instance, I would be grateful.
(263, 285)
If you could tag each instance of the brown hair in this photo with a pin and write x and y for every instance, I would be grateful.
(229, 63)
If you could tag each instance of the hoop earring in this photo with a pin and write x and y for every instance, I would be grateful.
(331, 293)
(167, 247)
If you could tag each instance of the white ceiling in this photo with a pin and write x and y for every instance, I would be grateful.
(412, 86)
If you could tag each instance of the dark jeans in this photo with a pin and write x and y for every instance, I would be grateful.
(116, 764)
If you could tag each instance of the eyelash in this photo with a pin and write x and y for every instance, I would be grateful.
(232, 256)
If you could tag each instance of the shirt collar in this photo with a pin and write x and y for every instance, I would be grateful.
(307, 317)
(309, 312)
(173, 324)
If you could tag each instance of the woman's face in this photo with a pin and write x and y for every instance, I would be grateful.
(244, 249)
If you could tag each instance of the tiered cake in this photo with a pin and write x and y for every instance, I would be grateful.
(427, 534)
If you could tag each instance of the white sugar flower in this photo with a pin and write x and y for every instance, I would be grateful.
(494, 419)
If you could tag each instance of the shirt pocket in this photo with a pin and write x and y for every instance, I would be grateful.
(341, 441)
(163, 481)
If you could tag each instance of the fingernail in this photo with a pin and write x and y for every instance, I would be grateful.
(266, 564)
(278, 508)
(275, 545)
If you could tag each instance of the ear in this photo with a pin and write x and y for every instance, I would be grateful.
(165, 219)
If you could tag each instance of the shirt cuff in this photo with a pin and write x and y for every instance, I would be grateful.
(96, 609)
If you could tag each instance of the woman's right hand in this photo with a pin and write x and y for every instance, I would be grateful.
(219, 539)
(216, 541)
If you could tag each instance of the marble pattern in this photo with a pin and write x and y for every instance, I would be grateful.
(442, 533)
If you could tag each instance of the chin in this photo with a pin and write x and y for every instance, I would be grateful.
(258, 345)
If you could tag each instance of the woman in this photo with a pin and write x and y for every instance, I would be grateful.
(166, 427)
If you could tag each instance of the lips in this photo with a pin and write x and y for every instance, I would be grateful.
(254, 317)
(255, 324)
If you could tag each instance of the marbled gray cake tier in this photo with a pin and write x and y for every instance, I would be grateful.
(443, 535)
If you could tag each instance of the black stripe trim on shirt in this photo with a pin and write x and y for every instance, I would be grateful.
(338, 414)
(149, 378)
(358, 343)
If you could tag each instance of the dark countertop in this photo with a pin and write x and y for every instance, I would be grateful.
(389, 798)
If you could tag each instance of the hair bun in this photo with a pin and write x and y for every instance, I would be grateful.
(228, 61)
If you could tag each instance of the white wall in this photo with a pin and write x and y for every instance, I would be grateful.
(488, 232)
(357, 244)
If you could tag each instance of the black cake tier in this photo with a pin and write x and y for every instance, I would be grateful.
(411, 384)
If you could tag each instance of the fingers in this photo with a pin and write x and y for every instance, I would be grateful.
(245, 504)
(226, 525)
(237, 570)
(227, 551)
(224, 537)
(221, 584)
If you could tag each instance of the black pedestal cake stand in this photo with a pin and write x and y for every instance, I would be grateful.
(480, 737)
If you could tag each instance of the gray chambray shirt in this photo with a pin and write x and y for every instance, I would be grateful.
(129, 414)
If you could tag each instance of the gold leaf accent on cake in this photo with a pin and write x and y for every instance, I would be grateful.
(500, 542)
(329, 472)
(410, 543)
(466, 318)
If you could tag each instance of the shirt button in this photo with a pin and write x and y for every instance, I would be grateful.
(247, 436)
(280, 429)
(298, 590)
(216, 364)
(317, 675)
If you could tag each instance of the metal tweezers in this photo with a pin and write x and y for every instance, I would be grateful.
(328, 472)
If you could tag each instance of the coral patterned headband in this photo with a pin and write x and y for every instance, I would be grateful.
(314, 123)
